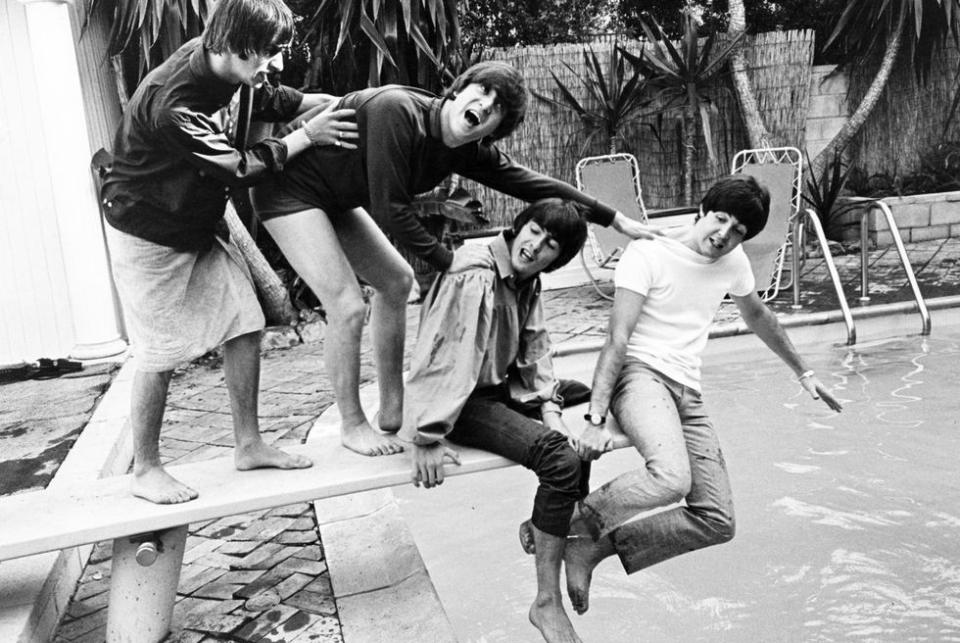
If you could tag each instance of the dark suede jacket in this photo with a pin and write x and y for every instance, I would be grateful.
(401, 154)
(173, 165)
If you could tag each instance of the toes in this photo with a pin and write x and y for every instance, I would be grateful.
(527, 541)
(579, 601)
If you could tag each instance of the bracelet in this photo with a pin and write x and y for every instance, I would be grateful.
(805, 375)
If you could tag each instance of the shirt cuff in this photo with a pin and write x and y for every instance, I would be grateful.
(440, 258)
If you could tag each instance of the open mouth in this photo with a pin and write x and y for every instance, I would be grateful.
(526, 255)
(472, 118)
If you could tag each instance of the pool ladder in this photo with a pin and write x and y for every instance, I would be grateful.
(870, 206)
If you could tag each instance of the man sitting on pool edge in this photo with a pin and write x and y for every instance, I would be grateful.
(481, 375)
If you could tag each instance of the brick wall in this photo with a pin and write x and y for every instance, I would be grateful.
(828, 107)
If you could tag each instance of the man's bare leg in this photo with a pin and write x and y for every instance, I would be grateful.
(150, 480)
(389, 326)
(580, 557)
(312, 246)
(547, 613)
(378, 262)
(241, 367)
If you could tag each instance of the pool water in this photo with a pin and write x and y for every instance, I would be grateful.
(848, 525)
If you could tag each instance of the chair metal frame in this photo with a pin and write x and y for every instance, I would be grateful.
(604, 257)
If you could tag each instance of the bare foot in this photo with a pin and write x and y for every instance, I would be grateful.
(526, 537)
(365, 440)
(579, 559)
(261, 455)
(552, 621)
(158, 486)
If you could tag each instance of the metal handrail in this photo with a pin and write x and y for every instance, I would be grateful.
(901, 250)
(831, 268)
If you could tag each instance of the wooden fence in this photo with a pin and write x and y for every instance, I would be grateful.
(908, 120)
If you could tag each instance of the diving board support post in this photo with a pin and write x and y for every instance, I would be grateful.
(831, 268)
(142, 595)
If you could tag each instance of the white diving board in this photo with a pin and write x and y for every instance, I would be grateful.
(103, 509)
(141, 600)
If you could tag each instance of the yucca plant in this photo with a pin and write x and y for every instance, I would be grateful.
(823, 191)
(616, 98)
(684, 82)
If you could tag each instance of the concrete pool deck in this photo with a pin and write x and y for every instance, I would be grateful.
(315, 589)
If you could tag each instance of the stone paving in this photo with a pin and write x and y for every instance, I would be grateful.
(263, 577)
(39, 422)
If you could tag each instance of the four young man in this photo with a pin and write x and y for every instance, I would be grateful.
(481, 373)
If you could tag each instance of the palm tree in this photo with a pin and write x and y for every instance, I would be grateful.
(757, 131)
(919, 27)
(367, 43)
(143, 33)
(684, 80)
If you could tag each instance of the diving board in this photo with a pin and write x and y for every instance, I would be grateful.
(103, 509)
(142, 596)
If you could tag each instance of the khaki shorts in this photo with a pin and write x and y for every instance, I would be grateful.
(179, 305)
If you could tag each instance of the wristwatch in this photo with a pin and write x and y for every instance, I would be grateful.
(595, 419)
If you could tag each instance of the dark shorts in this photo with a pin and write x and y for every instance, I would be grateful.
(271, 200)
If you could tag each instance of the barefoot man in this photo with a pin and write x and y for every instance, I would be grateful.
(481, 375)
(648, 377)
(183, 285)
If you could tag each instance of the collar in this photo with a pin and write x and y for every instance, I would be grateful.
(501, 256)
(208, 83)
(436, 106)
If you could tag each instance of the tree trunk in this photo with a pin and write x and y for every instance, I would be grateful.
(756, 129)
(869, 101)
(689, 151)
(273, 294)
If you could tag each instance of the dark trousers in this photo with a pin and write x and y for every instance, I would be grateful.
(491, 421)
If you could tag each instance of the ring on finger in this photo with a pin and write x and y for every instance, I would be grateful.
(337, 142)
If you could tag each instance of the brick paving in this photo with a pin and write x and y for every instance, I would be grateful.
(262, 576)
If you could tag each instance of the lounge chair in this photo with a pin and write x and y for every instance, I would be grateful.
(615, 180)
(780, 170)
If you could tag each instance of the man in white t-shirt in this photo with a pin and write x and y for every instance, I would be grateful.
(648, 375)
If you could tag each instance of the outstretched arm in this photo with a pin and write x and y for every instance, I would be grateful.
(764, 324)
(632, 228)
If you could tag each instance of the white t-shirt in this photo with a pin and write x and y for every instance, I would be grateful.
(683, 291)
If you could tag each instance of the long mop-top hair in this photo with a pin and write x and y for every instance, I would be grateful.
(564, 220)
(249, 27)
(510, 87)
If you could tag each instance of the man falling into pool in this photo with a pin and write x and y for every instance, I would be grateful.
(481, 375)
(648, 377)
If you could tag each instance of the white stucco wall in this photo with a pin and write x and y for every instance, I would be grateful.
(55, 296)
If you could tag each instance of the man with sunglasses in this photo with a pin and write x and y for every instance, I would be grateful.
(183, 285)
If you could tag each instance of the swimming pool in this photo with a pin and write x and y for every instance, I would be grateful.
(848, 525)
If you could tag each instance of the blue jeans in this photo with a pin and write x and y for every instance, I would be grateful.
(491, 421)
(666, 422)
